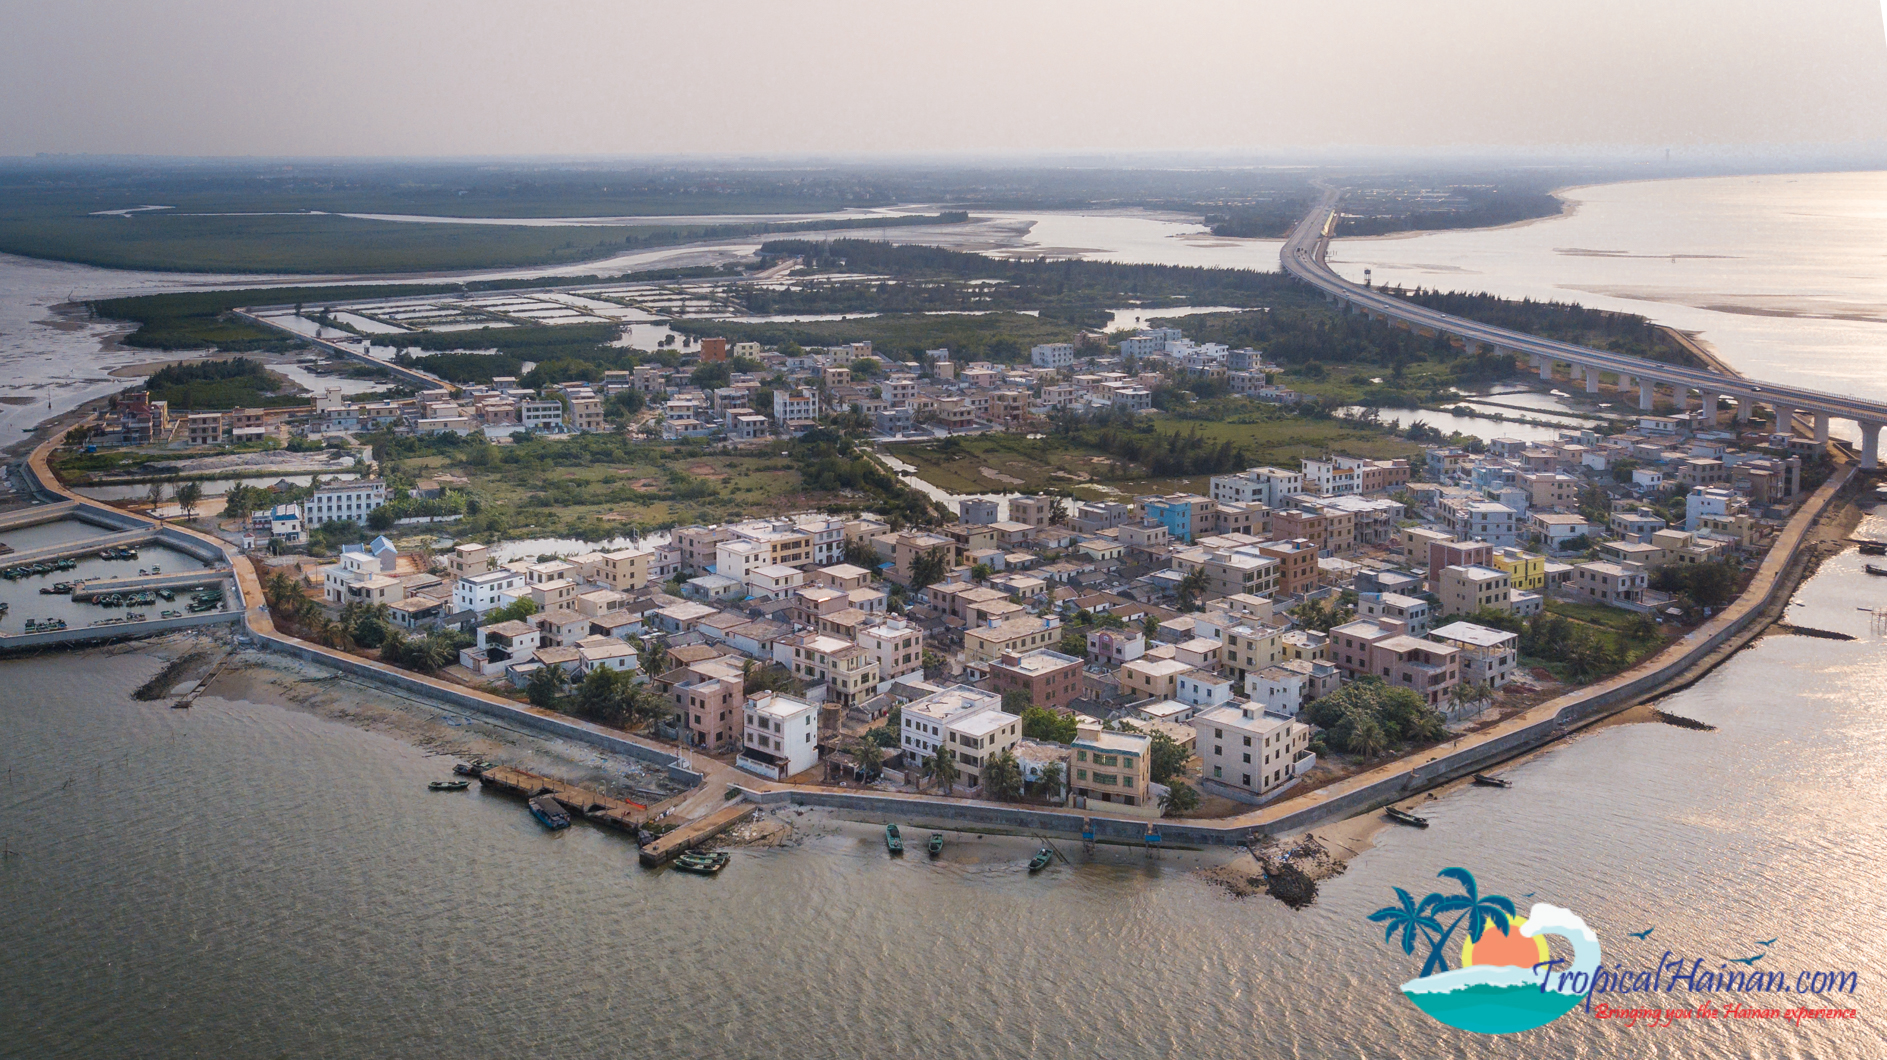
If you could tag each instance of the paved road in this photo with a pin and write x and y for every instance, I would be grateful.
(1303, 257)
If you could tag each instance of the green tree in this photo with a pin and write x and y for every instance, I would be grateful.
(1041, 723)
(928, 566)
(941, 768)
(1166, 759)
(545, 688)
(1191, 587)
(1182, 798)
(1052, 781)
(1075, 643)
(188, 495)
(1002, 777)
(981, 572)
(516, 611)
(869, 755)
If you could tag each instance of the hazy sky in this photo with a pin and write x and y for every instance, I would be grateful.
(432, 77)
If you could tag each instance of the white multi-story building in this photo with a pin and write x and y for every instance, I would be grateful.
(541, 415)
(1269, 486)
(339, 501)
(1053, 355)
(1197, 688)
(1111, 647)
(969, 721)
(1496, 524)
(487, 590)
(800, 404)
(780, 736)
(1487, 655)
(1329, 477)
(1278, 689)
(1250, 751)
(898, 646)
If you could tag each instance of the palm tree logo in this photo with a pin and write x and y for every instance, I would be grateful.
(1508, 980)
(1413, 918)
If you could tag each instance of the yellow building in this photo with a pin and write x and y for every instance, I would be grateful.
(1526, 571)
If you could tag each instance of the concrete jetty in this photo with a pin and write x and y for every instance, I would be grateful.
(693, 833)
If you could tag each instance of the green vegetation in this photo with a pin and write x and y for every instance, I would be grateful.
(235, 383)
(1090, 459)
(1579, 642)
(1372, 213)
(1041, 723)
(1368, 718)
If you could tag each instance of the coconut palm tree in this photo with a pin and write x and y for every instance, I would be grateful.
(942, 768)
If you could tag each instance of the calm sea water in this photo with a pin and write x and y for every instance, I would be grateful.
(244, 880)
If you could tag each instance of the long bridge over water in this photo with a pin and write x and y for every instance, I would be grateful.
(1303, 257)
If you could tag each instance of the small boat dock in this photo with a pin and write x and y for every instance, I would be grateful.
(695, 832)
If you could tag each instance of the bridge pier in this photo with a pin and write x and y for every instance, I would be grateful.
(1546, 370)
(1870, 446)
(1785, 420)
(1647, 393)
(1711, 414)
(1743, 407)
(1592, 380)
(1821, 428)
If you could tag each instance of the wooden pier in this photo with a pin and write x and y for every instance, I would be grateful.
(590, 805)
(695, 832)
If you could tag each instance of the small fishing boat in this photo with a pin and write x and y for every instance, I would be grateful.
(469, 769)
(702, 864)
(893, 841)
(549, 812)
(1491, 782)
(448, 785)
(936, 843)
(1405, 817)
(1041, 859)
(1877, 570)
(1873, 548)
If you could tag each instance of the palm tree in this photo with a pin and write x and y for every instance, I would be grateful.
(942, 768)
(1051, 781)
(1477, 909)
(1411, 920)
(869, 756)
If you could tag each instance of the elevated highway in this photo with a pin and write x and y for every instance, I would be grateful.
(1303, 257)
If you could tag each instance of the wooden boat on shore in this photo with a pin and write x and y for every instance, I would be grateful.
(1491, 782)
(448, 785)
(1041, 859)
(893, 841)
(936, 843)
(469, 769)
(1401, 816)
(549, 812)
(1873, 548)
(1876, 570)
(703, 864)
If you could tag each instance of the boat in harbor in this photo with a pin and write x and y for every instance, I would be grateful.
(936, 843)
(1041, 859)
(1877, 570)
(1491, 782)
(893, 841)
(469, 769)
(549, 812)
(448, 785)
(1873, 548)
(1405, 817)
(703, 864)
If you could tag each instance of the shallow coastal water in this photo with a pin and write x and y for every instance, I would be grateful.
(244, 879)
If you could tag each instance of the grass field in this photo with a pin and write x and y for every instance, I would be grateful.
(558, 491)
(1013, 463)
